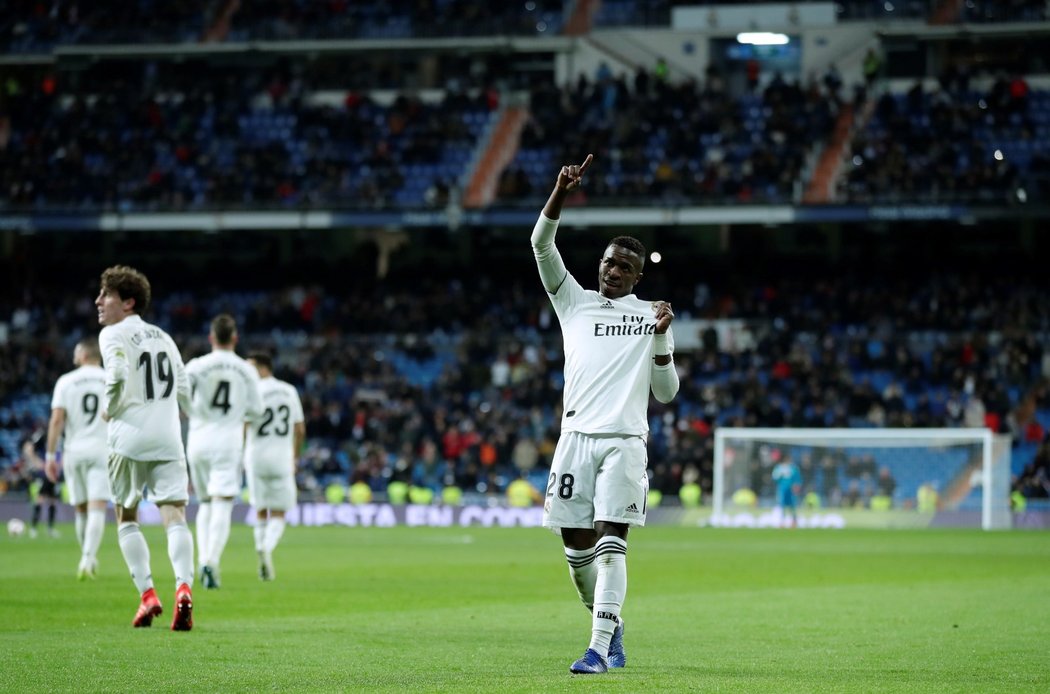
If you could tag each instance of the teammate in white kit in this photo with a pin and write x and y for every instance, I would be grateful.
(76, 420)
(145, 386)
(270, 456)
(225, 396)
(617, 349)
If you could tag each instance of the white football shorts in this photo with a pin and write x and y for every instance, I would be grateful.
(216, 473)
(87, 478)
(275, 492)
(167, 481)
(596, 477)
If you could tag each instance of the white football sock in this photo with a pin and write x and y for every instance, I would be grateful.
(79, 522)
(260, 534)
(203, 524)
(218, 530)
(610, 588)
(180, 551)
(136, 555)
(274, 530)
(583, 572)
(93, 529)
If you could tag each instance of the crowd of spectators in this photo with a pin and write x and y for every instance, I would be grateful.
(159, 137)
(156, 136)
(458, 382)
(953, 143)
(39, 26)
(263, 139)
(672, 142)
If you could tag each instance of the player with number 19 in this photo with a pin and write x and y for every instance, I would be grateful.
(225, 397)
(145, 386)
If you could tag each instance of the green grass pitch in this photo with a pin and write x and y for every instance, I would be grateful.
(493, 610)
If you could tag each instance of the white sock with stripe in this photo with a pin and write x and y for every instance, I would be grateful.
(610, 589)
(583, 572)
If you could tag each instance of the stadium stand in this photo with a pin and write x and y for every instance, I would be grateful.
(413, 383)
(981, 146)
(414, 380)
(32, 26)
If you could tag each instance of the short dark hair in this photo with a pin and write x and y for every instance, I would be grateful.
(261, 358)
(128, 283)
(90, 347)
(223, 327)
(630, 243)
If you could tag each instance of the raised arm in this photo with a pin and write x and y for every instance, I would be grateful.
(548, 260)
(569, 179)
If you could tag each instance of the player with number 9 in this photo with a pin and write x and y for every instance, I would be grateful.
(76, 420)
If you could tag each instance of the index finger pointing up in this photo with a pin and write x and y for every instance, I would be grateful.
(586, 163)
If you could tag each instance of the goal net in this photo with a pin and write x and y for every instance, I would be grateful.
(877, 478)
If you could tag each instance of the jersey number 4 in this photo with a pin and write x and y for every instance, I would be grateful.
(164, 373)
(221, 399)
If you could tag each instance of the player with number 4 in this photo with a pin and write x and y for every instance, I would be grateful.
(145, 386)
(225, 397)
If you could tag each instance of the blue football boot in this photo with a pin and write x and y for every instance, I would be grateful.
(617, 656)
(590, 664)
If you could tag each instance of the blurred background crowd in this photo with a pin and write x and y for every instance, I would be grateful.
(446, 371)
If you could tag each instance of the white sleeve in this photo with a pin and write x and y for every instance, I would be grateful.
(548, 260)
(664, 381)
(255, 408)
(116, 361)
(183, 392)
(297, 406)
(59, 396)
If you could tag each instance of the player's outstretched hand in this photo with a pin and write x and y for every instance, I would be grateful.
(664, 316)
(571, 177)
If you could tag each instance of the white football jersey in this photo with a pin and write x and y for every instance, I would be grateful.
(145, 383)
(609, 350)
(81, 393)
(271, 438)
(225, 395)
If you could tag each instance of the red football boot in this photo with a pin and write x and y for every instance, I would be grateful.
(148, 609)
(183, 619)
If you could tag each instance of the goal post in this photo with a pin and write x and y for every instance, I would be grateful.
(864, 477)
